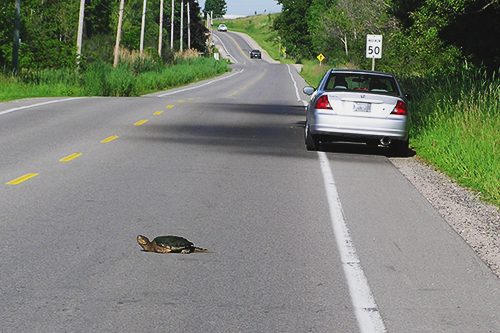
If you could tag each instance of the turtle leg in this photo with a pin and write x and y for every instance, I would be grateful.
(186, 251)
(160, 249)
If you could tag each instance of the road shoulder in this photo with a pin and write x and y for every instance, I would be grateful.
(477, 222)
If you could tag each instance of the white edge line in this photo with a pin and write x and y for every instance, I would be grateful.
(38, 104)
(294, 83)
(201, 85)
(366, 310)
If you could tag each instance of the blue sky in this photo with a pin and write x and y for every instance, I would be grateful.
(248, 7)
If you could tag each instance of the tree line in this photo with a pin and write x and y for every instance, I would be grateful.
(217, 8)
(49, 30)
(420, 36)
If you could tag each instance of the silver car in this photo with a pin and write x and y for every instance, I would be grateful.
(358, 106)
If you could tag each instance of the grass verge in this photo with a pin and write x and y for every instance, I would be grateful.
(134, 78)
(456, 128)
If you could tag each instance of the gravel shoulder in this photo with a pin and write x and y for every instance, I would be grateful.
(477, 222)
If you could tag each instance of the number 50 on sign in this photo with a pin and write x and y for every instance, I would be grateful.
(374, 46)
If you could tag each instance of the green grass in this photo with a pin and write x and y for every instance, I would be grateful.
(100, 79)
(41, 84)
(313, 72)
(457, 128)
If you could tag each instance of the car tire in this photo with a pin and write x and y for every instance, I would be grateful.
(312, 142)
(400, 148)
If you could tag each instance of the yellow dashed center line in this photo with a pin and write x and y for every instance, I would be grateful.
(248, 85)
(239, 48)
(70, 157)
(22, 179)
(75, 155)
(111, 138)
(181, 101)
(140, 122)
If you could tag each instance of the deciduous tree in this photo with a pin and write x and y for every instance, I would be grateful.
(444, 33)
(49, 30)
(218, 7)
(293, 27)
(344, 24)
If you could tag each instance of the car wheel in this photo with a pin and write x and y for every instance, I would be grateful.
(312, 142)
(400, 148)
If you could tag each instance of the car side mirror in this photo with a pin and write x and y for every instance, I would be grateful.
(308, 90)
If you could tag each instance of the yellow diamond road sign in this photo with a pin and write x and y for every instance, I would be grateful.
(321, 57)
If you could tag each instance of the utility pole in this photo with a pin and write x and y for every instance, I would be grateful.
(17, 28)
(143, 25)
(207, 24)
(119, 32)
(189, 26)
(80, 32)
(211, 30)
(182, 22)
(161, 28)
(172, 28)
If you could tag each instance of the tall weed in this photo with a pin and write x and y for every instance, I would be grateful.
(456, 127)
(133, 77)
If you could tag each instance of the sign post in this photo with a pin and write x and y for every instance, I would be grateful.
(321, 57)
(374, 48)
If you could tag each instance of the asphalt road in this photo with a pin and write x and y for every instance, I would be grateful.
(336, 241)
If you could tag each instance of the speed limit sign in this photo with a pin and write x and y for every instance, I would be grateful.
(374, 46)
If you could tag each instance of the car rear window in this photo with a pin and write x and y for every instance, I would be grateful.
(362, 82)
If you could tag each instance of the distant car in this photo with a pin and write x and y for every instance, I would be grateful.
(222, 28)
(358, 106)
(255, 54)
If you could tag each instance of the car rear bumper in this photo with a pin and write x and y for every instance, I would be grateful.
(395, 127)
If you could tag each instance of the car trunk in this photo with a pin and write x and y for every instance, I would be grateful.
(361, 104)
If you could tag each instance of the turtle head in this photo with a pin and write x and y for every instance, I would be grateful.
(142, 240)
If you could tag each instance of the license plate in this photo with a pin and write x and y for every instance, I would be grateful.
(362, 107)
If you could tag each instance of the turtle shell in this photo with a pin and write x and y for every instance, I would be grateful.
(175, 243)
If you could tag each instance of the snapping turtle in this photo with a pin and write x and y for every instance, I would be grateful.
(166, 244)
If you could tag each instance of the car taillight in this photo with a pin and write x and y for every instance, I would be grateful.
(400, 109)
(323, 103)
